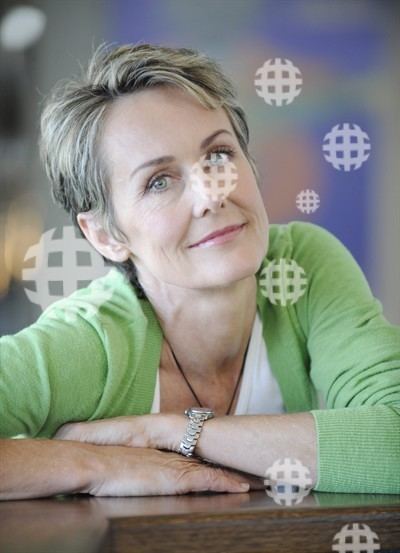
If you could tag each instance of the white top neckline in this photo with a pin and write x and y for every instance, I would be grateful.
(259, 392)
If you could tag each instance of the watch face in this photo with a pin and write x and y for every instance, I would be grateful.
(199, 411)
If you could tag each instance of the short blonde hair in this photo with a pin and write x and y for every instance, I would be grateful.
(72, 120)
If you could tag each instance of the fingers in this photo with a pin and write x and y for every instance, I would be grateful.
(212, 479)
(255, 482)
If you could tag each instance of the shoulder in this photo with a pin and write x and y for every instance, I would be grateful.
(106, 301)
(314, 248)
(324, 270)
(300, 238)
(308, 269)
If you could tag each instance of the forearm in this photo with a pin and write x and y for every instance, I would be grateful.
(252, 443)
(32, 468)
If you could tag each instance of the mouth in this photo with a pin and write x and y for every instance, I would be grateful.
(220, 237)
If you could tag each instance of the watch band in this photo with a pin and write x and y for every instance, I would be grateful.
(197, 416)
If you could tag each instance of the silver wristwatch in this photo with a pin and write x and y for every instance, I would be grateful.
(197, 416)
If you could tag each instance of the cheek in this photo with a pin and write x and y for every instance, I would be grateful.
(160, 230)
(151, 225)
(247, 192)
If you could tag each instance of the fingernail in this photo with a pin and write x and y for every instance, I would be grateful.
(244, 486)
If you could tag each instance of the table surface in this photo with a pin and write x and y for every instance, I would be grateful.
(213, 522)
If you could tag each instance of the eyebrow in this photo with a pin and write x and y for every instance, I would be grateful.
(169, 159)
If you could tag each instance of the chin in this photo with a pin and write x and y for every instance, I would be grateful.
(226, 270)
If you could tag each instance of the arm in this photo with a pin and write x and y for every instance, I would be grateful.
(252, 443)
(40, 468)
(72, 363)
(50, 372)
(354, 364)
(246, 443)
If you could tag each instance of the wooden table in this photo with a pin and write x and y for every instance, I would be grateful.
(199, 522)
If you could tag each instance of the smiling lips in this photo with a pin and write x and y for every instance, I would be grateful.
(219, 236)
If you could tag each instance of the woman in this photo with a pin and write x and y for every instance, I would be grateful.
(132, 150)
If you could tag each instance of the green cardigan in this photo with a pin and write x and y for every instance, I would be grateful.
(333, 343)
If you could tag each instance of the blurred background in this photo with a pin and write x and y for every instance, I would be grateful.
(347, 52)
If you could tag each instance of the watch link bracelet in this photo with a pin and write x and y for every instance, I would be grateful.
(196, 416)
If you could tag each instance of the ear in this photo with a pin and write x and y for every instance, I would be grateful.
(100, 240)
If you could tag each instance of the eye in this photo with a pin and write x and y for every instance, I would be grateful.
(227, 154)
(227, 150)
(153, 181)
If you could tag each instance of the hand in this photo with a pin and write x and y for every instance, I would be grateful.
(154, 431)
(125, 471)
(157, 431)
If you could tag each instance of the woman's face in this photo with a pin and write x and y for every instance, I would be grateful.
(159, 210)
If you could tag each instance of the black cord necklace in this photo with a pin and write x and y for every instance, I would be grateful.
(237, 383)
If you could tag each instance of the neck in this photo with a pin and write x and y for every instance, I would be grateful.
(208, 331)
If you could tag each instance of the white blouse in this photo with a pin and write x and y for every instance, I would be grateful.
(259, 393)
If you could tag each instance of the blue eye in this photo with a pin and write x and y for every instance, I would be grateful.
(230, 152)
(155, 180)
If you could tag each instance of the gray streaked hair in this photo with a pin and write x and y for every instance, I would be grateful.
(73, 114)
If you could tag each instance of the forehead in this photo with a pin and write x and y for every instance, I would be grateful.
(150, 120)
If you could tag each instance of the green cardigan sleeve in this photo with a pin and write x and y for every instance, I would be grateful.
(51, 372)
(355, 365)
(87, 357)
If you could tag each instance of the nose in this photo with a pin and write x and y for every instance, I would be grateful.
(203, 201)
(207, 191)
